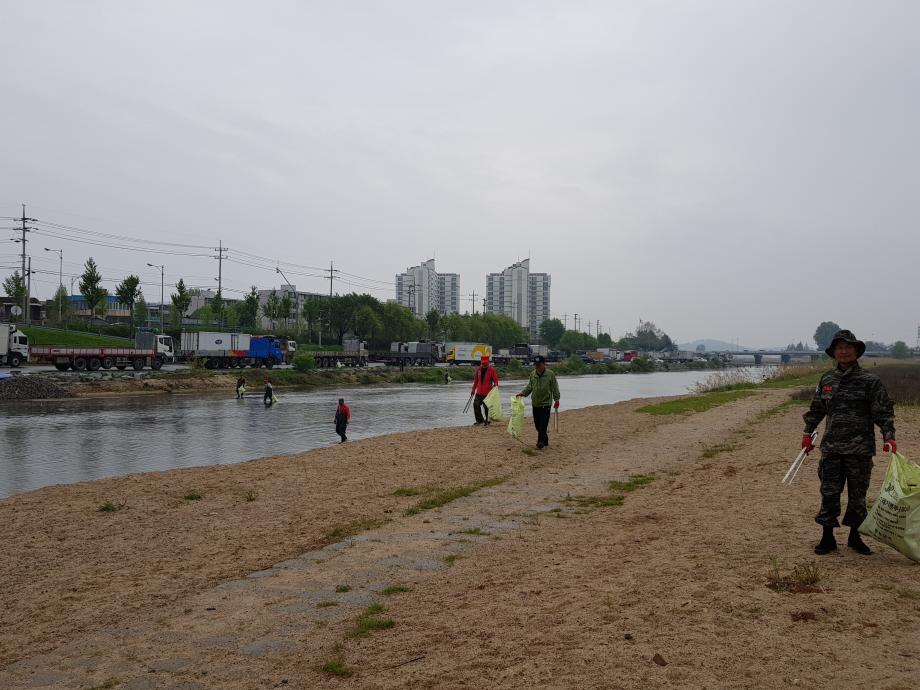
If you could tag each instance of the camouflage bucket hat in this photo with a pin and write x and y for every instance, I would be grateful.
(846, 336)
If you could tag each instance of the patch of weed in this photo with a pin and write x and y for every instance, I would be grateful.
(335, 667)
(109, 507)
(447, 495)
(407, 491)
(250, 495)
(634, 482)
(326, 604)
(193, 496)
(370, 620)
(353, 528)
(803, 578)
(803, 616)
(394, 589)
(475, 530)
(341, 589)
(712, 451)
(696, 403)
(529, 451)
(452, 558)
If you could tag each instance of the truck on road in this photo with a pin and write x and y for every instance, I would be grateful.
(231, 350)
(411, 354)
(150, 350)
(466, 353)
(14, 345)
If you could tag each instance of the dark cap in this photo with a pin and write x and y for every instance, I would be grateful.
(539, 359)
(846, 336)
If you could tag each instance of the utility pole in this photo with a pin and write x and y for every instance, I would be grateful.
(220, 285)
(576, 321)
(483, 305)
(589, 328)
(565, 321)
(26, 277)
(331, 272)
(473, 300)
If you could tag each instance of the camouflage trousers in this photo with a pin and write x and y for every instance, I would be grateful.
(835, 470)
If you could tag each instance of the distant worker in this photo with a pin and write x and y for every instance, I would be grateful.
(342, 417)
(545, 389)
(240, 387)
(854, 401)
(268, 397)
(484, 380)
(447, 378)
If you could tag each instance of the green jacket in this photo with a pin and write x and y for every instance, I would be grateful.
(545, 388)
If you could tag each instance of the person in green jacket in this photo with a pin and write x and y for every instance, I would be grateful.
(545, 396)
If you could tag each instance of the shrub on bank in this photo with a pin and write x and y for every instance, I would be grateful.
(902, 382)
(573, 365)
(643, 364)
(304, 361)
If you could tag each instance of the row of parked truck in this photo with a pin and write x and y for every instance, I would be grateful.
(215, 350)
(153, 350)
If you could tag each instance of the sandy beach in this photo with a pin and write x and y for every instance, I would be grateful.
(329, 569)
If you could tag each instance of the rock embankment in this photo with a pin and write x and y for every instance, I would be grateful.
(31, 388)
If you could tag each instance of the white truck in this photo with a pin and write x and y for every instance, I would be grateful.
(14, 345)
(217, 350)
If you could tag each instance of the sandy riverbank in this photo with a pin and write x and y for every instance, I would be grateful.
(584, 600)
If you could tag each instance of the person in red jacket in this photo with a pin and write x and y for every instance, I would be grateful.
(484, 380)
(342, 417)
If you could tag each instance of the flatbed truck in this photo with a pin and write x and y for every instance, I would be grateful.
(151, 350)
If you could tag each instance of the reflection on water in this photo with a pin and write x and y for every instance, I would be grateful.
(44, 443)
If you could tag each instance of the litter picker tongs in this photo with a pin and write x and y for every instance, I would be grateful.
(799, 461)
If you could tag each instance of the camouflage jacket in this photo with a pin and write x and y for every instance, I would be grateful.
(853, 400)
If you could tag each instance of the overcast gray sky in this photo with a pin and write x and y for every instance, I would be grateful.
(734, 170)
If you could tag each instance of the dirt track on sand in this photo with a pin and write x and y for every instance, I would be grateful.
(541, 592)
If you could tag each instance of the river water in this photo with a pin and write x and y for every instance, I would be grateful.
(63, 442)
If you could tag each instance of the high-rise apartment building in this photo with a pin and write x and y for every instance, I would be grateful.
(421, 288)
(520, 294)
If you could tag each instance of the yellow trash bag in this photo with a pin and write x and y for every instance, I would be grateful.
(516, 423)
(493, 402)
(895, 515)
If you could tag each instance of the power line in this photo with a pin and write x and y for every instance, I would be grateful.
(48, 233)
(123, 238)
(65, 232)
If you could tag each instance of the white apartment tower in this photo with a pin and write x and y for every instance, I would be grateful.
(421, 288)
(520, 294)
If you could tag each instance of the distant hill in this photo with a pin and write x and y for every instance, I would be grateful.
(721, 346)
(714, 346)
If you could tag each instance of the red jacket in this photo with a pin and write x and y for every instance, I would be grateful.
(344, 411)
(484, 381)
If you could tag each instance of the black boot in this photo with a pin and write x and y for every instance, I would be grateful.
(827, 543)
(855, 542)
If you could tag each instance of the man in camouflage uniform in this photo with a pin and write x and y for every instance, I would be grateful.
(853, 401)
